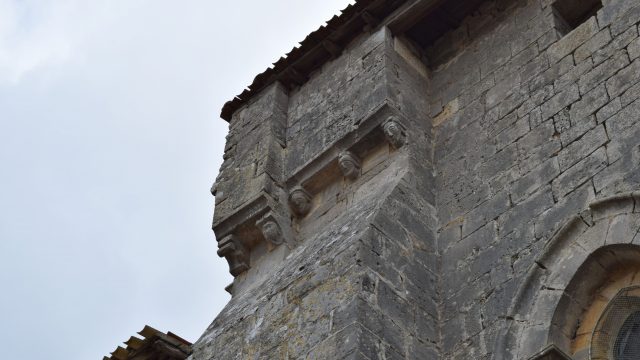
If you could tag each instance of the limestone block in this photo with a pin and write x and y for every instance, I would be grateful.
(573, 40)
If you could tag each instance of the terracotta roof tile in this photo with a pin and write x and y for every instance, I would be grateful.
(149, 335)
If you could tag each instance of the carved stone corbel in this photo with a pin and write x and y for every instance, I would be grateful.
(271, 231)
(236, 254)
(349, 164)
(394, 132)
(274, 230)
(300, 201)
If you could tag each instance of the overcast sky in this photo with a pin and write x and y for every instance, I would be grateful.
(110, 139)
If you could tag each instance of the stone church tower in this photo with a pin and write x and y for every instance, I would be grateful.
(437, 179)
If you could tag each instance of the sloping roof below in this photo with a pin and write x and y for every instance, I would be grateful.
(153, 343)
(317, 48)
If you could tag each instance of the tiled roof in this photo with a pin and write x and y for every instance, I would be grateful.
(316, 49)
(150, 337)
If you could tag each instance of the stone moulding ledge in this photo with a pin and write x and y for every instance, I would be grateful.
(252, 210)
(621, 202)
(367, 135)
(249, 225)
(575, 223)
(257, 221)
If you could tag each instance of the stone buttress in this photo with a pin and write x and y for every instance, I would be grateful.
(341, 170)
(436, 187)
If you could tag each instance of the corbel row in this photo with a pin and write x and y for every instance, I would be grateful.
(256, 221)
(266, 219)
(395, 132)
(350, 165)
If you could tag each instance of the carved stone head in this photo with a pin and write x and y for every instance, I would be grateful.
(394, 132)
(236, 254)
(271, 232)
(349, 164)
(300, 201)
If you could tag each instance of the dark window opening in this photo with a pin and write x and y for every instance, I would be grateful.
(569, 14)
(627, 345)
(438, 33)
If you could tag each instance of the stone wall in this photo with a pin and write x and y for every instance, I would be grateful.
(512, 129)
(354, 286)
(541, 126)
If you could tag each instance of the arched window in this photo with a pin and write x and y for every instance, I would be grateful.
(627, 345)
(581, 297)
(616, 335)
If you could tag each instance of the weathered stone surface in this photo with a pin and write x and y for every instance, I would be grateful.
(620, 41)
(589, 104)
(560, 101)
(613, 10)
(603, 71)
(580, 173)
(582, 147)
(573, 40)
(538, 177)
(609, 110)
(595, 43)
(634, 49)
(623, 80)
(444, 190)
